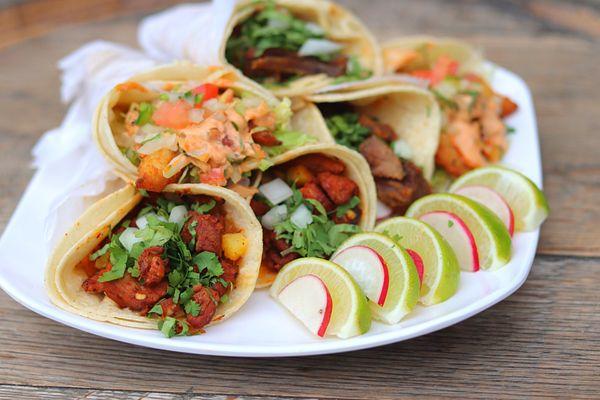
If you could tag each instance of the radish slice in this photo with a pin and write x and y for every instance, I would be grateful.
(492, 200)
(383, 211)
(276, 191)
(418, 264)
(369, 270)
(308, 299)
(458, 235)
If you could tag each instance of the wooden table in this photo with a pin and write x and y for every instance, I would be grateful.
(543, 341)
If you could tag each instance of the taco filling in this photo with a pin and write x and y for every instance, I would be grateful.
(173, 259)
(398, 180)
(473, 132)
(198, 133)
(307, 207)
(274, 46)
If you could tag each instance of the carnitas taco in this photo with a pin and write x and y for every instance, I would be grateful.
(296, 47)
(183, 123)
(309, 203)
(395, 127)
(179, 260)
(473, 131)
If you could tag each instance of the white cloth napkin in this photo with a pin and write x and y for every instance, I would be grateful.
(69, 151)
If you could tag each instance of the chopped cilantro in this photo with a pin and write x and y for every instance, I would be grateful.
(346, 129)
(344, 208)
(510, 129)
(145, 114)
(354, 71)
(192, 308)
(224, 299)
(163, 97)
(450, 223)
(143, 192)
(318, 239)
(168, 326)
(157, 309)
(203, 208)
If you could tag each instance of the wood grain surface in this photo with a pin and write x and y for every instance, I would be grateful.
(544, 341)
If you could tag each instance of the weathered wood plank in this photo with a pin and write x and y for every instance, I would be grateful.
(542, 341)
(10, 392)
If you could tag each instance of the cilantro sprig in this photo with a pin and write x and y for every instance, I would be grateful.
(346, 129)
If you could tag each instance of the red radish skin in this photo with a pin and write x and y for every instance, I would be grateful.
(418, 264)
(327, 314)
(457, 220)
(386, 275)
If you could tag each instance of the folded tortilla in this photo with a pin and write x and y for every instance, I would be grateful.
(339, 25)
(470, 59)
(410, 110)
(63, 280)
(125, 93)
(357, 169)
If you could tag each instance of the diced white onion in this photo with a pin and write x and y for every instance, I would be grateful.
(196, 115)
(314, 47)
(251, 102)
(302, 217)
(402, 149)
(214, 105)
(128, 238)
(314, 28)
(178, 214)
(383, 211)
(146, 132)
(274, 216)
(277, 23)
(164, 141)
(142, 221)
(178, 163)
(276, 191)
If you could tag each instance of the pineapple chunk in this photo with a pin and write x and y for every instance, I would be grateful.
(234, 245)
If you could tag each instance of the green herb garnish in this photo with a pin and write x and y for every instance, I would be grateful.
(145, 113)
(346, 129)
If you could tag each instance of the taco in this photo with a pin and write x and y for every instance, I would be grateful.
(187, 124)
(309, 203)
(473, 131)
(297, 47)
(395, 127)
(182, 259)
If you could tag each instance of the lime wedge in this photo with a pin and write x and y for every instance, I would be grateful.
(491, 236)
(526, 200)
(350, 314)
(441, 270)
(389, 279)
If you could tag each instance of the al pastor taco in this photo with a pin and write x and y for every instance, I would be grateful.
(395, 127)
(309, 203)
(473, 131)
(296, 47)
(187, 124)
(179, 260)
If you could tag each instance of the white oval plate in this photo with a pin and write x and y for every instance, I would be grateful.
(262, 328)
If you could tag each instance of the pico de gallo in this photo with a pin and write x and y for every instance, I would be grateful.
(473, 132)
(199, 132)
(173, 259)
(275, 46)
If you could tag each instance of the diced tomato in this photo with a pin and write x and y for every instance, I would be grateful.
(172, 114)
(215, 176)
(508, 107)
(443, 67)
(208, 90)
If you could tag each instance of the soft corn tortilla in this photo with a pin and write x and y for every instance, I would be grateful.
(470, 59)
(63, 280)
(339, 24)
(104, 117)
(410, 110)
(357, 169)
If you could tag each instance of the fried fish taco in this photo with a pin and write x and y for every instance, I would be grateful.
(473, 131)
(395, 127)
(180, 260)
(309, 203)
(183, 123)
(296, 47)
